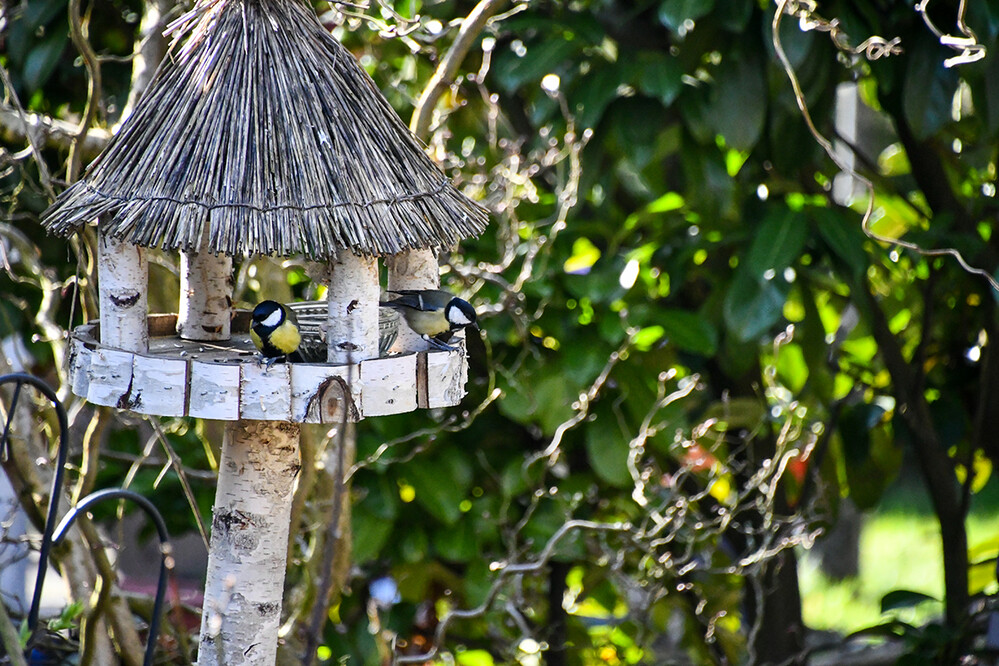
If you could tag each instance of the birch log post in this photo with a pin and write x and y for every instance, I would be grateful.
(352, 300)
(205, 310)
(249, 545)
(414, 269)
(123, 277)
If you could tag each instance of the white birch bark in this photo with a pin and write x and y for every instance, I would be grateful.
(248, 555)
(205, 310)
(352, 333)
(123, 277)
(413, 269)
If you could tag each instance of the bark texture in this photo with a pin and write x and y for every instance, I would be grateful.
(249, 544)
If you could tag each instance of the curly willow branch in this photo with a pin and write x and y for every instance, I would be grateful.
(786, 7)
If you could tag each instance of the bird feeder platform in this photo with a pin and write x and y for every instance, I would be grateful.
(227, 381)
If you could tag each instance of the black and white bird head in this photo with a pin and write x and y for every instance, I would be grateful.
(268, 314)
(460, 314)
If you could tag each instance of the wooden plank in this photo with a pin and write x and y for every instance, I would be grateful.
(111, 378)
(160, 385)
(214, 391)
(323, 393)
(265, 392)
(421, 381)
(447, 373)
(388, 385)
(79, 368)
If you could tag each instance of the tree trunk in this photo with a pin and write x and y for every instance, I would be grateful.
(249, 544)
(779, 637)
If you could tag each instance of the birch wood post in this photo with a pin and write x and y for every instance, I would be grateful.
(249, 544)
(352, 299)
(205, 308)
(123, 277)
(413, 269)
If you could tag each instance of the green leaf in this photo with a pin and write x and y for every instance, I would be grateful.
(584, 255)
(737, 102)
(540, 58)
(929, 89)
(458, 544)
(436, 489)
(844, 237)
(659, 75)
(689, 331)
(648, 336)
(42, 60)
(777, 243)
(753, 305)
(370, 534)
(673, 13)
(594, 92)
(899, 599)
(474, 658)
(607, 452)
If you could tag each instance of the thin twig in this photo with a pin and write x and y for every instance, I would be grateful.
(471, 27)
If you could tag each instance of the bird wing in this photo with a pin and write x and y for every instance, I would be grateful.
(419, 299)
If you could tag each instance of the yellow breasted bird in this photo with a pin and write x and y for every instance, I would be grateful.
(274, 330)
(435, 314)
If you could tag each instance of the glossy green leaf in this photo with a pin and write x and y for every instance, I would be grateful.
(42, 60)
(673, 13)
(777, 243)
(594, 92)
(659, 75)
(929, 90)
(753, 305)
(539, 59)
(844, 237)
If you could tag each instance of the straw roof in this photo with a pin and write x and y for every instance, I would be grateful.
(264, 127)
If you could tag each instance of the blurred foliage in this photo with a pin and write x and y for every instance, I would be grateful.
(663, 221)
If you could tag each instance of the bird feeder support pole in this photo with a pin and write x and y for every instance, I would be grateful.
(246, 564)
(123, 278)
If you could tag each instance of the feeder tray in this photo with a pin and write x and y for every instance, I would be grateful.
(228, 382)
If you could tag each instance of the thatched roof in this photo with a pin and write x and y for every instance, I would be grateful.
(265, 127)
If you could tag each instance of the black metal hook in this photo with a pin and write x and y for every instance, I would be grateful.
(19, 379)
(53, 534)
(147, 506)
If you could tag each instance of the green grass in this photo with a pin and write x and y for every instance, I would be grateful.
(899, 549)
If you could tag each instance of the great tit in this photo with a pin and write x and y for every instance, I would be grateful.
(434, 314)
(274, 330)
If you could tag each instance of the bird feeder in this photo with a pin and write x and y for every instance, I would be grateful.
(260, 135)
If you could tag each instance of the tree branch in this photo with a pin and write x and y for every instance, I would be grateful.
(78, 32)
(471, 27)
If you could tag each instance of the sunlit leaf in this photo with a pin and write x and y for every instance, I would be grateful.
(584, 255)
